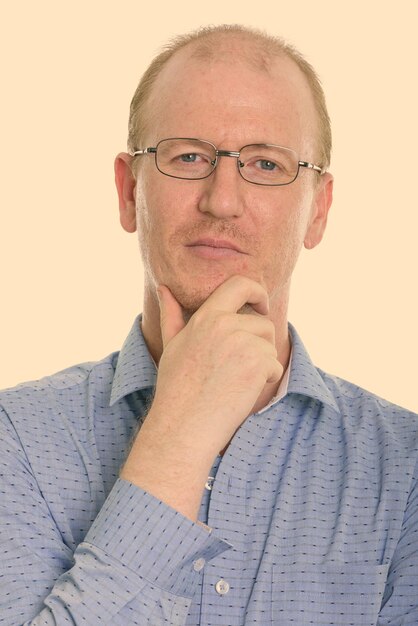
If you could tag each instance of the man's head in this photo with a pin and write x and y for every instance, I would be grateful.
(230, 87)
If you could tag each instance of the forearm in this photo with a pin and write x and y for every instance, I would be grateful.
(136, 560)
(171, 464)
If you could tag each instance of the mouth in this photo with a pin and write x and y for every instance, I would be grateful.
(214, 248)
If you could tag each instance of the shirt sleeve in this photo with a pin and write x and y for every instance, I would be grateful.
(400, 599)
(139, 563)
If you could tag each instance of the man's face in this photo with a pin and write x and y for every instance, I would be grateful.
(260, 229)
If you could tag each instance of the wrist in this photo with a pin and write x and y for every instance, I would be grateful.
(172, 470)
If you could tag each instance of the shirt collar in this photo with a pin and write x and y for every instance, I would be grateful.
(136, 370)
(305, 379)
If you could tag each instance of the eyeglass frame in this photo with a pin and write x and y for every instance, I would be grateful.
(228, 153)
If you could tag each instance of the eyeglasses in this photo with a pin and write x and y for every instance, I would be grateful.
(258, 163)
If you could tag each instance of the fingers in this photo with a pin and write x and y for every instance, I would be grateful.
(235, 292)
(255, 325)
(171, 316)
(275, 371)
(262, 358)
(229, 297)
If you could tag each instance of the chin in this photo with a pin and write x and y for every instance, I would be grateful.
(191, 299)
(191, 295)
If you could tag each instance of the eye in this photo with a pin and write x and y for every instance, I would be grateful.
(266, 165)
(192, 157)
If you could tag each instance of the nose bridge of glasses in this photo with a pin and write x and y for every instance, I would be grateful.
(226, 153)
(230, 153)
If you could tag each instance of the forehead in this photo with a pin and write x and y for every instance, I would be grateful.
(232, 97)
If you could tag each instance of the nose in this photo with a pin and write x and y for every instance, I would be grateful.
(223, 192)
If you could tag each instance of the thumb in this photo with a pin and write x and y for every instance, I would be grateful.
(171, 315)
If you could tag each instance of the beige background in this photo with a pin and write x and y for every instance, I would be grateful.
(71, 278)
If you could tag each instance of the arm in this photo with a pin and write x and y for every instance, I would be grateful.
(123, 568)
(211, 373)
(138, 559)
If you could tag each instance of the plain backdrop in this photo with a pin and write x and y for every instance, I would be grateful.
(71, 278)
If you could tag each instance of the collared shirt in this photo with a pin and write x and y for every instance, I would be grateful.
(313, 509)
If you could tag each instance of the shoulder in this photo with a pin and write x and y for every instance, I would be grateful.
(361, 408)
(65, 387)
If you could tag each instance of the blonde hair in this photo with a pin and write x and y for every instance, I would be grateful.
(207, 38)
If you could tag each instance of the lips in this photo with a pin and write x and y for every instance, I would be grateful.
(216, 243)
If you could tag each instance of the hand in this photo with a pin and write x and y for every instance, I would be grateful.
(213, 369)
(211, 373)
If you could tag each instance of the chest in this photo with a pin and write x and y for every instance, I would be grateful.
(313, 515)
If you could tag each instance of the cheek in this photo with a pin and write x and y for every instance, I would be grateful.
(150, 213)
(286, 219)
(283, 239)
(162, 207)
(147, 220)
(297, 219)
(165, 201)
(142, 219)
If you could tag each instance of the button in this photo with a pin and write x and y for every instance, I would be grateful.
(199, 564)
(209, 483)
(222, 587)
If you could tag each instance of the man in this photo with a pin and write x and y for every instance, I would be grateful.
(254, 488)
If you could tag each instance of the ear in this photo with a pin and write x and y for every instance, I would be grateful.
(320, 206)
(126, 184)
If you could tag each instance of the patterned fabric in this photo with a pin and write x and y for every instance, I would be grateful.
(313, 509)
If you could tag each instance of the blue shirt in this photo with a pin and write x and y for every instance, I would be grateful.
(313, 509)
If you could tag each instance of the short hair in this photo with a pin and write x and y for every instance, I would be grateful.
(207, 39)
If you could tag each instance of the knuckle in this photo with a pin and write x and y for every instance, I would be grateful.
(219, 325)
(211, 323)
(222, 321)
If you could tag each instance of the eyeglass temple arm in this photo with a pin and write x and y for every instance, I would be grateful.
(144, 151)
(311, 166)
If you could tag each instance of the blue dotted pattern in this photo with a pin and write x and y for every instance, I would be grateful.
(313, 511)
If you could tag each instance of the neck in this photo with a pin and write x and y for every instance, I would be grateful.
(150, 325)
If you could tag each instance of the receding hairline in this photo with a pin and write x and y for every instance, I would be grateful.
(210, 44)
(215, 44)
